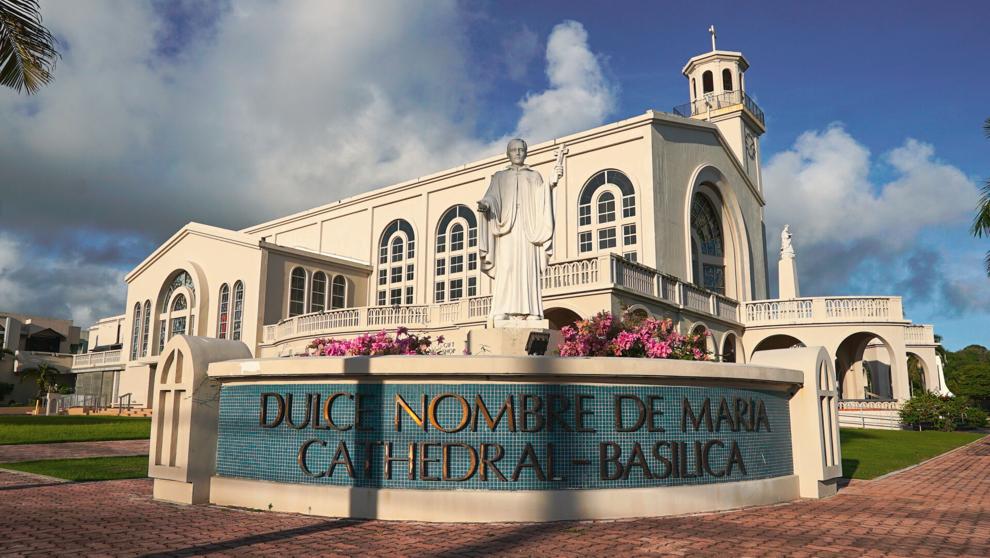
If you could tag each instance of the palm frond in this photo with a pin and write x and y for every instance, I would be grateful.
(27, 49)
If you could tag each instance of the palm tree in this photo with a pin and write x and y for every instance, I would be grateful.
(27, 49)
(981, 223)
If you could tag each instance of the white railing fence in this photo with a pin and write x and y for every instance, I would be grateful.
(96, 359)
(825, 309)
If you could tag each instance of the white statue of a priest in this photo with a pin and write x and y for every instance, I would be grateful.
(516, 236)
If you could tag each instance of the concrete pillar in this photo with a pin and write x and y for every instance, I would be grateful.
(814, 418)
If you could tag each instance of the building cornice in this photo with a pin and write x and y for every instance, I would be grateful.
(193, 229)
(319, 257)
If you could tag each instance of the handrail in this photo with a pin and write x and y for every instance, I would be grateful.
(824, 309)
(595, 272)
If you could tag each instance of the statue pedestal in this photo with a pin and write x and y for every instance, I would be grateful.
(787, 279)
(532, 338)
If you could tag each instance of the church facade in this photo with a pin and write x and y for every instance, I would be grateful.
(661, 214)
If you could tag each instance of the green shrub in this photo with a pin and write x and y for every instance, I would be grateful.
(936, 412)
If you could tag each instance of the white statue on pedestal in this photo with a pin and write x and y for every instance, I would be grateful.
(516, 235)
(786, 248)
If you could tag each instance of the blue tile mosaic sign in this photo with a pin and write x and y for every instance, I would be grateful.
(501, 436)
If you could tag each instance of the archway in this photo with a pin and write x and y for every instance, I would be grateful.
(917, 374)
(702, 329)
(779, 341)
(729, 348)
(864, 367)
(560, 317)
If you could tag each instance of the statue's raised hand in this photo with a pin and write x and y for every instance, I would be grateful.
(483, 207)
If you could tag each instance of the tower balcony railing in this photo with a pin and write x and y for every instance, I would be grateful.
(919, 334)
(597, 273)
(833, 309)
(711, 102)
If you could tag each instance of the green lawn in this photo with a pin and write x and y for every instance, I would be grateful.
(867, 454)
(88, 469)
(44, 430)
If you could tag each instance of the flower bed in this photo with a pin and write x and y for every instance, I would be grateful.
(378, 344)
(603, 335)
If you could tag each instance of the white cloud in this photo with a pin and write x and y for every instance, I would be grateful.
(257, 110)
(579, 96)
(822, 186)
(57, 287)
(857, 234)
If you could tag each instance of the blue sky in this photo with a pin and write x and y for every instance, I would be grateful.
(230, 114)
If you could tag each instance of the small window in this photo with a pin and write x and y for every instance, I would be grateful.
(585, 241)
(381, 298)
(456, 264)
(707, 82)
(410, 272)
(438, 291)
(318, 296)
(397, 249)
(472, 261)
(606, 208)
(631, 256)
(456, 289)
(178, 304)
(383, 254)
(472, 237)
(472, 286)
(412, 249)
(161, 336)
(456, 238)
(222, 314)
(694, 88)
(584, 215)
(395, 297)
(235, 325)
(606, 238)
(338, 292)
(628, 206)
(397, 274)
(297, 292)
(441, 243)
(178, 327)
(383, 276)
(628, 235)
(441, 266)
(409, 295)
(727, 79)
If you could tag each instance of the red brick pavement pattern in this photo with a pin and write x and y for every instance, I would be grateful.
(941, 508)
(70, 450)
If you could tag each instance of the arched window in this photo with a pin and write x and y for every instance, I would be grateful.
(610, 230)
(179, 318)
(146, 328)
(136, 331)
(456, 268)
(338, 292)
(727, 80)
(235, 327)
(318, 295)
(396, 267)
(694, 89)
(708, 249)
(297, 292)
(707, 82)
(223, 317)
(177, 302)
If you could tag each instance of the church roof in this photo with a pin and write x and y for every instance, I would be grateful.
(743, 63)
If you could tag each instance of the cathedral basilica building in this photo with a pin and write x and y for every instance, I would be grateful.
(661, 214)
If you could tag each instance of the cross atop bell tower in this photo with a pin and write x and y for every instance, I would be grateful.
(717, 88)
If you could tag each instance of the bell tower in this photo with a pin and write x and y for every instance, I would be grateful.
(717, 87)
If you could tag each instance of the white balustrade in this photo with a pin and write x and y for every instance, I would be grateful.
(571, 273)
(635, 277)
(726, 308)
(479, 307)
(101, 358)
(779, 311)
(696, 298)
(850, 307)
(919, 334)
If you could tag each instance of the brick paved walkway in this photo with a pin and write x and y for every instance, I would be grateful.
(940, 508)
(69, 450)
